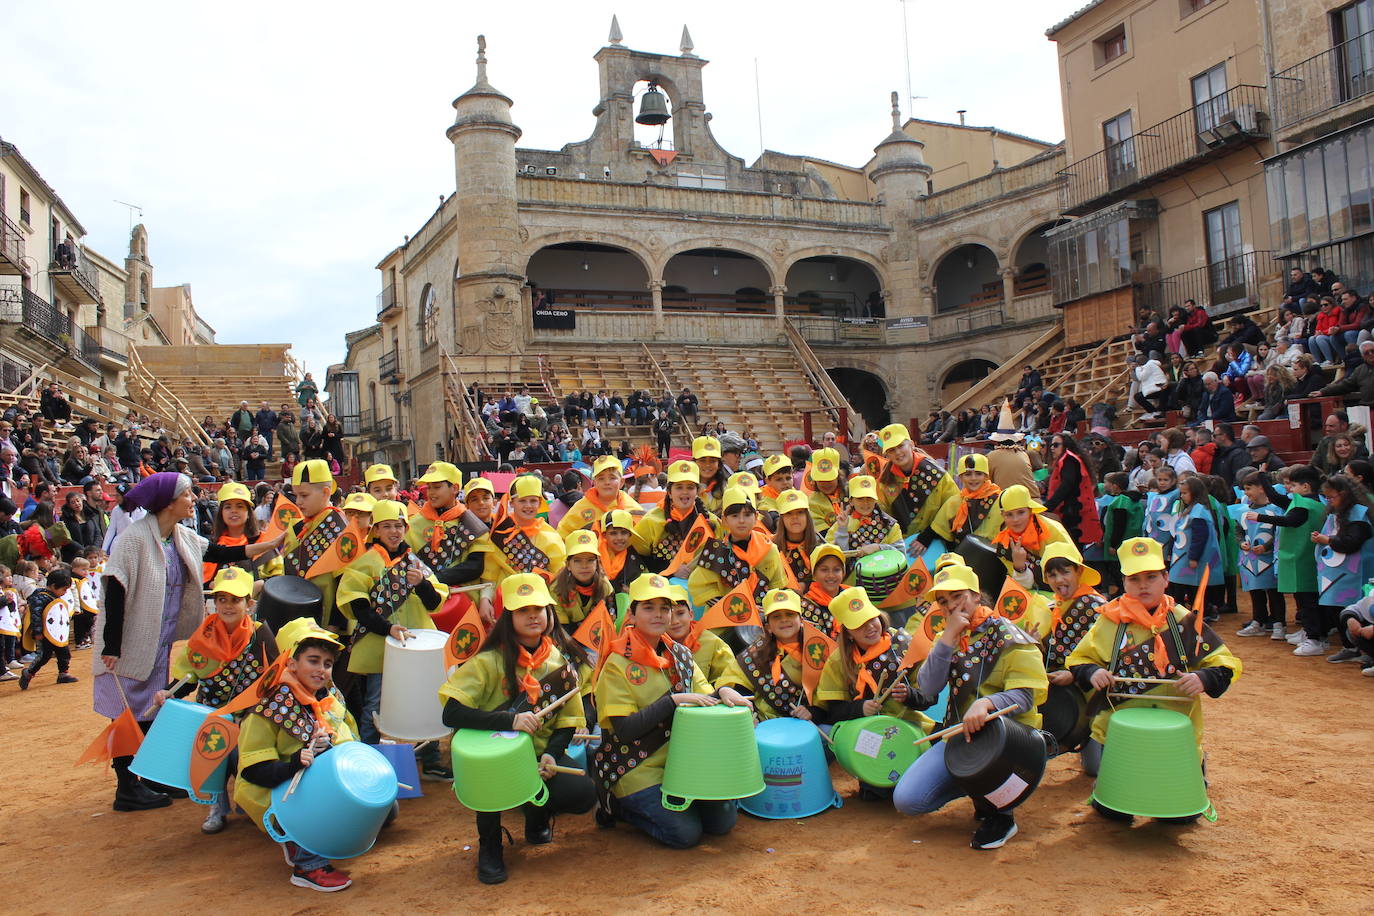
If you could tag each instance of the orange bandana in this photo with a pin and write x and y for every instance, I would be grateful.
(527, 662)
(1032, 538)
(863, 681)
(975, 620)
(632, 644)
(1128, 610)
(786, 648)
(612, 563)
(1060, 605)
(215, 641)
(208, 570)
(819, 595)
(436, 535)
(757, 549)
(987, 490)
(317, 707)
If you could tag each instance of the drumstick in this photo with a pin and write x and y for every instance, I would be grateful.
(1145, 680)
(881, 681)
(893, 686)
(586, 736)
(957, 729)
(1151, 696)
(295, 781)
(406, 787)
(571, 771)
(557, 703)
(171, 691)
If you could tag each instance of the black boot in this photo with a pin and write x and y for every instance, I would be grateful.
(158, 788)
(130, 793)
(491, 864)
(538, 825)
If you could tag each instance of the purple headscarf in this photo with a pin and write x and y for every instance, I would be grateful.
(156, 491)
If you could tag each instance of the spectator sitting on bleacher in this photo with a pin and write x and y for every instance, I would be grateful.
(1322, 343)
(1262, 455)
(1218, 405)
(1152, 339)
(1337, 423)
(1236, 375)
(687, 404)
(76, 464)
(1151, 387)
(1278, 385)
(54, 405)
(1310, 378)
(1300, 290)
(1358, 384)
(1242, 330)
(1197, 330)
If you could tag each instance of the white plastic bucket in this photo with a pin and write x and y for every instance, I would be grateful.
(411, 677)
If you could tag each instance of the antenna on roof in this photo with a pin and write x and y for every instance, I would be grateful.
(132, 208)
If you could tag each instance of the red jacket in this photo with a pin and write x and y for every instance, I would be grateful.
(1197, 318)
(1327, 322)
(1202, 457)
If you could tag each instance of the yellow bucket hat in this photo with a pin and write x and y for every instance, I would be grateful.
(526, 485)
(684, 472)
(295, 632)
(387, 510)
(1138, 555)
(791, 501)
(972, 462)
(955, 577)
(524, 590)
(774, 463)
(781, 599)
(1017, 496)
(618, 518)
(705, 447)
(442, 472)
(582, 541)
(478, 483)
(234, 581)
(359, 502)
(607, 463)
(863, 486)
(734, 496)
(949, 559)
(376, 472)
(826, 550)
(825, 464)
(649, 586)
(1063, 550)
(893, 435)
(745, 481)
(680, 595)
(313, 471)
(852, 608)
(234, 490)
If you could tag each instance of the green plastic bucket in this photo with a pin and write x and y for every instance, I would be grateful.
(495, 771)
(712, 756)
(1150, 766)
(876, 749)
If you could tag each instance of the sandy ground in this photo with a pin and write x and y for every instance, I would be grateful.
(1292, 836)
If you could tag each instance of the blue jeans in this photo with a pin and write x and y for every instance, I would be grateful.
(926, 786)
(306, 861)
(372, 701)
(1325, 349)
(677, 829)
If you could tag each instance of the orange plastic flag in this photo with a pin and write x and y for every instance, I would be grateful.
(466, 638)
(596, 632)
(1014, 601)
(816, 648)
(214, 740)
(347, 547)
(284, 515)
(412, 507)
(736, 608)
(911, 587)
(696, 539)
(121, 738)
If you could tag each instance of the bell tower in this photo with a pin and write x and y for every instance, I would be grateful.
(488, 288)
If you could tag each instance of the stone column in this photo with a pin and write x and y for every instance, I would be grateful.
(779, 305)
(1008, 290)
(656, 294)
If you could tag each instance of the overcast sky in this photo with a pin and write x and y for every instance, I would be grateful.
(280, 150)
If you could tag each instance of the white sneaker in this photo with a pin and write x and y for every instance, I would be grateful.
(15, 665)
(1296, 638)
(1278, 635)
(1253, 628)
(1368, 672)
(1311, 647)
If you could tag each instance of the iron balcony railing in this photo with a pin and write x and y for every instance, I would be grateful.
(80, 271)
(383, 430)
(389, 365)
(367, 422)
(1324, 81)
(33, 312)
(1230, 285)
(386, 299)
(11, 242)
(1154, 153)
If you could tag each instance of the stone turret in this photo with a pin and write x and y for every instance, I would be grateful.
(900, 171)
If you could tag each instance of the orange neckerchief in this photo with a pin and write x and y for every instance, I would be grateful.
(785, 648)
(528, 661)
(1057, 612)
(980, 614)
(1128, 610)
(863, 681)
(612, 564)
(631, 641)
(317, 707)
(797, 546)
(214, 640)
(677, 515)
(594, 498)
(207, 570)
(770, 491)
(819, 595)
(388, 560)
(1033, 538)
(757, 549)
(988, 489)
(436, 535)
(693, 640)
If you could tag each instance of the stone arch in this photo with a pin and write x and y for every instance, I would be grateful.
(1029, 256)
(967, 276)
(867, 391)
(840, 251)
(609, 239)
(427, 315)
(958, 241)
(757, 252)
(713, 277)
(581, 272)
(836, 282)
(962, 374)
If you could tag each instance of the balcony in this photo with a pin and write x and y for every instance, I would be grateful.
(1325, 82)
(11, 248)
(1228, 286)
(382, 431)
(389, 367)
(1207, 131)
(76, 280)
(36, 316)
(111, 349)
(388, 302)
(367, 422)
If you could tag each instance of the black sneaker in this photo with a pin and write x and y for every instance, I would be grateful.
(436, 772)
(24, 677)
(994, 831)
(65, 678)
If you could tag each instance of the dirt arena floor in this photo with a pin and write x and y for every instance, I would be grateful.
(1289, 750)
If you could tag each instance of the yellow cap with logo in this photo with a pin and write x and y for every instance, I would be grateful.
(478, 483)
(233, 581)
(863, 487)
(684, 472)
(705, 447)
(735, 496)
(524, 590)
(1138, 555)
(1063, 550)
(972, 462)
(295, 632)
(376, 472)
(234, 490)
(607, 463)
(774, 463)
(852, 608)
(825, 464)
(791, 501)
(526, 485)
(359, 502)
(387, 510)
(893, 435)
(618, 518)
(1016, 497)
(781, 599)
(442, 472)
(745, 481)
(649, 586)
(826, 550)
(955, 577)
(582, 541)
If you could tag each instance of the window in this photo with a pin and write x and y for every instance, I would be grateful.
(1187, 8)
(429, 316)
(1210, 102)
(1225, 266)
(24, 207)
(1110, 46)
(1118, 141)
(1352, 27)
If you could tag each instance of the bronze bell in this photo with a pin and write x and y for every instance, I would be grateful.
(653, 108)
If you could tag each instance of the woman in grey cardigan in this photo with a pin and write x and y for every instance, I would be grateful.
(151, 598)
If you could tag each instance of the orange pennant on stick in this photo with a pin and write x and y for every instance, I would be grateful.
(696, 538)
(816, 648)
(284, 515)
(736, 608)
(466, 638)
(1014, 601)
(121, 738)
(1200, 605)
(347, 547)
(911, 587)
(214, 740)
(596, 632)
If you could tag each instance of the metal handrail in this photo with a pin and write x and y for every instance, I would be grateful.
(1339, 74)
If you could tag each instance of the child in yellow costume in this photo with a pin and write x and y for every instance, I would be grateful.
(795, 536)
(523, 667)
(973, 510)
(1024, 536)
(777, 476)
(1145, 634)
(742, 553)
(911, 486)
(825, 487)
(299, 717)
(714, 476)
(308, 538)
(381, 482)
(604, 496)
(864, 528)
(773, 663)
(522, 541)
(709, 651)
(581, 584)
(357, 508)
(445, 535)
(988, 664)
(659, 534)
(619, 563)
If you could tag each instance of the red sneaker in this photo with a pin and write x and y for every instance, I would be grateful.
(326, 879)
